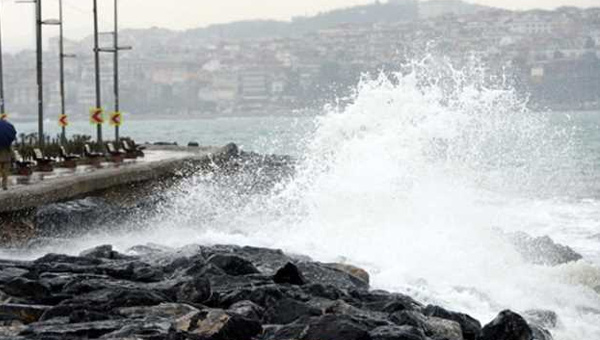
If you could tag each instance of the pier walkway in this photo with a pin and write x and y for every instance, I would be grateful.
(27, 192)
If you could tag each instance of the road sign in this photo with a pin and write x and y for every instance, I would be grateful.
(4, 116)
(116, 119)
(63, 120)
(97, 116)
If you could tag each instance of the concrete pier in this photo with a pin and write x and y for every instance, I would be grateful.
(64, 184)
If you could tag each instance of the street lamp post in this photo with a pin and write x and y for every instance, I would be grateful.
(115, 50)
(2, 99)
(39, 65)
(61, 59)
(116, 68)
(40, 72)
(97, 67)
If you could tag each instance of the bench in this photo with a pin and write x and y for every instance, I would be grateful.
(44, 164)
(95, 158)
(69, 160)
(23, 167)
(132, 151)
(115, 154)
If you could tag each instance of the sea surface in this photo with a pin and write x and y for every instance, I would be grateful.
(416, 183)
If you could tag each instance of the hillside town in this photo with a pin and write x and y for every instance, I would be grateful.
(553, 56)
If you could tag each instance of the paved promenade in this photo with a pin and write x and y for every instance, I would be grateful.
(64, 184)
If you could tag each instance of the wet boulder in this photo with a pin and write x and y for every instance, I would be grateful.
(75, 217)
(147, 329)
(263, 296)
(470, 327)
(248, 310)
(410, 318)
(507, 326)
(334, 327)
(104, 252)
(289, 274)
(542, 250)
(382, 301)
(27, 289)
(366, 318)
(24, 313)
(216, 324)
(196, 290)
(9, 273)
(287, 311)
(440, 328)
(63, 330)
(397, 333)
(233, 265)
(319, 273)
(352, 270)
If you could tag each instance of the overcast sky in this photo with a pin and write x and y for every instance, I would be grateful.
(18, 24)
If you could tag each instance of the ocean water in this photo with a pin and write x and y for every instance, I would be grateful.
(412, 182)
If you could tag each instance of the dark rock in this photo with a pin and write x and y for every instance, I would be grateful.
(410, 318)
(268, 261)
(24, 313)
(381, 301)
(324, 291)
(543, 250)
(173, 311)
(439, 328)
(86, 330)
(397, 333)
(352, 270)
(287, 311)
(215, 324)
(197, 290)
(83, 315)
(277, 332)
(233, 265)
(149, 329)
(319, 273)
(289, 274)
(75, 217)
(368, 319)
(471, 328)
(262, 296)
(132, 271)
(24, 288)
(104, 252)
(248, 310)
(9, 273)
(55, 259)
(334, 327)
(507, 326)
(108, 299)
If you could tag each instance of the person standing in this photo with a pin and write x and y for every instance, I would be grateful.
(8, 134)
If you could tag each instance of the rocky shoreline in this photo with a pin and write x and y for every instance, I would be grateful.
(225, 293)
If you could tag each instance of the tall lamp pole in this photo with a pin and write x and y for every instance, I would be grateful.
(2, 99)
(61, 59)
(116, 68)
(97, 67)
(40, 71)
(115, 50)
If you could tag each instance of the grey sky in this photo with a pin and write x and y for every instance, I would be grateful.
(17, 19)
